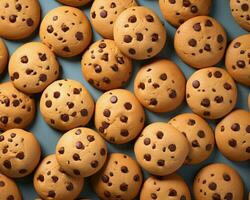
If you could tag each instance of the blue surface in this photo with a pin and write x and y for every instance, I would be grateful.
(71, 69)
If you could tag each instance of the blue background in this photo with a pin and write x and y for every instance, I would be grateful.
(71, 69)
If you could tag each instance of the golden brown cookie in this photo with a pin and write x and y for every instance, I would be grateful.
(33, 67)
(66, 31)
(66, 104)
(119, 117)
(3, 56)
(104, 13)
(172, 187)
(218, 181)
(249, 101)
(19, 153)
(51, 182)
(75, 3)
(200, 42)
(176, 12)
(161, 149)
(232, 135)
(211, 92)
(160, 86)
(238, 59)
(17, 109)
(120, 177)
(139, 33)
(19, 18)
(105, 67)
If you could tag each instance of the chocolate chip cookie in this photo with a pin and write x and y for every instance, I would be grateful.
(33, 67)
(199, 135)
(238, 59)
(176, 12)
(218, 181)
(139, 33)
(120, 178)
(200, 42)
(211, 93)
(17, 109)
(161, 149)
(66, 31)
(165, 188)
(233, 135)
(19, 153)
(119, 117)
(19, 18)
(75, 3)
(81, 152)
(105, 67)
(51, 182)
(104, 14)
(160, 86)
(3, 56)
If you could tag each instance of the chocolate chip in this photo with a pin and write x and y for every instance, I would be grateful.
(205, 102)
(120, 60)
(159, 134)
(94, 164)
(192, 42)
(105, 179)
(66, 49)
(84, 112)
(227, 86)
(208, 23)
(103, 152)
(20, 155)
(128, 106)
(65, 117)
(43, 77)
(48, 103)
(172, 147)
(195, 143)
(124, 119)
(207, 47)
(54, 179)
(191, 122)
(7, 164)
(10, 197)
(1, 138)
(217, 74)
(216, 196)
(76, 91)
(163, 76)
(127, 38)
(228, 196)
(232, 143)
(172, 193)
(93, 15)
(197, 27)
(103, 13)
(4, 119)
(245, 7)
(113, 99)
(18, 120)
(124, 133)
(161, 162)
(105, 57)
(107, 194)
(79, 145)
(15, 75)
(237, 44)
(241, 63)
(132, 51)
(186, 3)
(172, 94)
(12, 18)
(40, 178)
(90, 138)
(124, 187)
(106, 113)
(18, 7)
(114, 68)
(201, 134)
(220, 38)
(50, 29)
(76, 157)
(24, 59)
(141, 86)
(172, 1)
(154, 37)
(79, 36)
(61, 150)
(147, 141)
(153, 102)
(226, 177)
(30, 22)
(51, 194)
(248, 129)
(76, 172)
(150, 18)
(124, 169)
(194, 9)
(153, 196)
(212, 186)
(132, 19)
(235, 127)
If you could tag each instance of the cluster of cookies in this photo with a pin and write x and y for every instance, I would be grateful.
(130, 32)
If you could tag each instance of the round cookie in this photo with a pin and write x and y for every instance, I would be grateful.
(176, 12)
(160, 86)
(32, 67)
(199, 135)
(232, 135)
(3, 56)
(66, 31)
(81, 152)
(17, 109)
(139, 33)
(240, 11)
(238, 59)
(172, 187)
(51, 182)
(218, 181)
(9, 189)
(75, 3)
(19, 19)
(211, 93)
(66, 104)
(200, 42)
(105, 67)
(119, 117)
(120, 178)
(104, 14)
(19, 153)
(161, 149)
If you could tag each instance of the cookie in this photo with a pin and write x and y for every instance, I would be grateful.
(104, 14)
(232, 135)
(211, 92)
(66, 104)
(240, 11)
(19, 153)
(3, 56)
(199, 135)
(51, 182)
(161, 149)
(176, 12)
(120, 178)
(66, 31)
(139, 33)
(17, 109)
(218, 181)
(200, 42)
(249, 101)
(75, 3)
(19, 19)
(238, 59)
(33, 67)
(160, 86)
(81, 152)
(165, 188)
(9, 189)
(105, 67)
(119, 117)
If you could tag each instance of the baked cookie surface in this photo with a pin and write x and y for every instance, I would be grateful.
(3, 56)
(75, 3)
